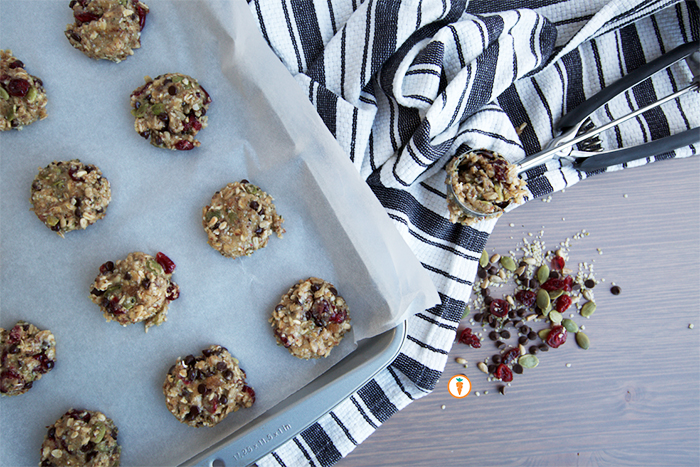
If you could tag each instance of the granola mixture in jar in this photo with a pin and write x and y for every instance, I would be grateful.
(81, 437)
(107, 29)
(27, 353)
(202, 391)
(240, 219)
(22, 96)
(136, 289)
(311, 319)
(170, 110)
(70, 195)
(485, 182)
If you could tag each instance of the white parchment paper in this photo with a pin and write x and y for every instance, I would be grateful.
(262, 128)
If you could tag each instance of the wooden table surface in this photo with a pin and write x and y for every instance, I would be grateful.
(633, 398)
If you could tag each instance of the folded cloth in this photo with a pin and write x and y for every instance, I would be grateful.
(404, 85)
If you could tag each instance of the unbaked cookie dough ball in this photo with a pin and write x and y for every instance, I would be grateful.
(311, 319)
(170, 110)
(22, 96)
(81, 438)
(107, 29)
(70, 195)
(485, 182)
(240, 219)
(202, 391)
(136, 289)
(27, 353)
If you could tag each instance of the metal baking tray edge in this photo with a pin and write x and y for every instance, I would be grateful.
(300, 410)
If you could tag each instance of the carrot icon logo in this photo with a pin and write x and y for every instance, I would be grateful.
(459, 386)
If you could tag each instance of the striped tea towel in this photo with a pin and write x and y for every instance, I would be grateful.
(403, 84)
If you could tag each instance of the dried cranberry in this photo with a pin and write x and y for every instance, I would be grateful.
(500, 169)
(563, 303)
(250, 392)
(557, 336)
(526, 297)
(15, 335)
(499, 308)
(466, 337)
(142, 12)
(85, 17)
(173, 292)
(207, 100)
(338, 317)
(107, 267)
(503, 373)
(191, 123)
(510, 355)
(16, 64)
(565, 284)
(558, 263)
(18, 87)
(283, 339)
(184, 145)
(165, 262)
(114, 307)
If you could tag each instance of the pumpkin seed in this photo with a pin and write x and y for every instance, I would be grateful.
(555, 317)
(484, 260)
(543, 301)
(529, 361)
(588, 309)
(100, 434)
(31, 94)
(582, 340)
(570, 325)
(543, 333)
(157, 109)
(466, 312)
(3, 94)
(554, 294)
(543, 274)
(508, 263)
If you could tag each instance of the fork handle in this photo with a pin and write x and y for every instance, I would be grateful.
(656, 147)
(591, 104)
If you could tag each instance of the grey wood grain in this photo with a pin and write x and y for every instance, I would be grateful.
(633, 398)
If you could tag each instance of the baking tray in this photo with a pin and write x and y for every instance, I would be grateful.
(293, 415)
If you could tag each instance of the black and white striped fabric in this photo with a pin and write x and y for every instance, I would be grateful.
(404, 84)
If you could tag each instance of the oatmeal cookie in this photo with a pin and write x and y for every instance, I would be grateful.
(27, 354)
(485, 182)
(22, 96)
(107, 29)
(240, 219)
(138, 288)
(70, 195)
(202, 391)
(170, 110)
(81, 437)
(311, 319)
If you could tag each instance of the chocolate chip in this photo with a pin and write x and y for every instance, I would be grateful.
(589, 283)
(522, 340)
(493, 335)
(615, 290)
(518, 368)
(505, 334)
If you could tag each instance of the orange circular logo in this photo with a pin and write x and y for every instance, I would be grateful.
(459, 386)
